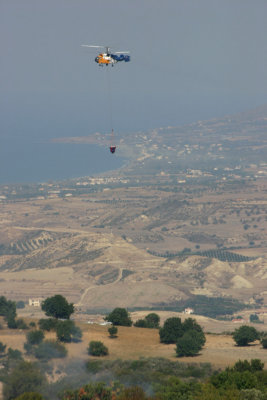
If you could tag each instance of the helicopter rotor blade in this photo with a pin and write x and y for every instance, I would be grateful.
(119, 52)
(87, 45)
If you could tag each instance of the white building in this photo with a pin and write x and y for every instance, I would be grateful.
(35, 302)
(188, 310)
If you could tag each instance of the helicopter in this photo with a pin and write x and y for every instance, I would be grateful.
(108, 58)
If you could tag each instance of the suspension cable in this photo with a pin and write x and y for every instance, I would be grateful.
(110, 109)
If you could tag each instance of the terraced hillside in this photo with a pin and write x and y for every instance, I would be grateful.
(186, 217)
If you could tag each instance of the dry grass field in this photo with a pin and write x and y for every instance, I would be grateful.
(132, 343)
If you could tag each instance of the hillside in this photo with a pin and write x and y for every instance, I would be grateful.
(185, 217)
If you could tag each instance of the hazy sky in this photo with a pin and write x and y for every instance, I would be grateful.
(191, 60)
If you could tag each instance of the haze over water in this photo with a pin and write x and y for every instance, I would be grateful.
(30, 161)
(190, 60)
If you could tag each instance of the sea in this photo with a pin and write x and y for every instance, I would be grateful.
(32, 161)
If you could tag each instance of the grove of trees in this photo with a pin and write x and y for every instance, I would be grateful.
(119, 316)
(246, 380)
(150, 321)
(188, 336)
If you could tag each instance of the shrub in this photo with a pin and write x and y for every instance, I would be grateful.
(92, 391)
(251, 394)
(175, 389)
(20, 304)
(93, 366)
(14, 354)
(119, 316)
(35, 337)
(113, 331)
(25, 377)
(76, 334)
(245, 335)
(30, 396)
(97, 348)
(132, 393)
(21, 324)
(50, 349)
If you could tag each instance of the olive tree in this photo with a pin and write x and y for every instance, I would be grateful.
(119, 316)
(245, 335)
(171, 330)
(190, 343)
(57, 307)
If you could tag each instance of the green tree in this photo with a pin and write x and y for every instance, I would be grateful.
(119, 316)
(7, 307)
(254, 318)
(141, 323)
(2, 348)
(57, 307)
(189, 344)
(35, 337)
(25, 377)
(68, 332)
(264, 342)
(47, 324)
(97, 348)
(230, 378)
(245, 335)
(113, 331)
(191, 324)
(171, 330)
(152, 320)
